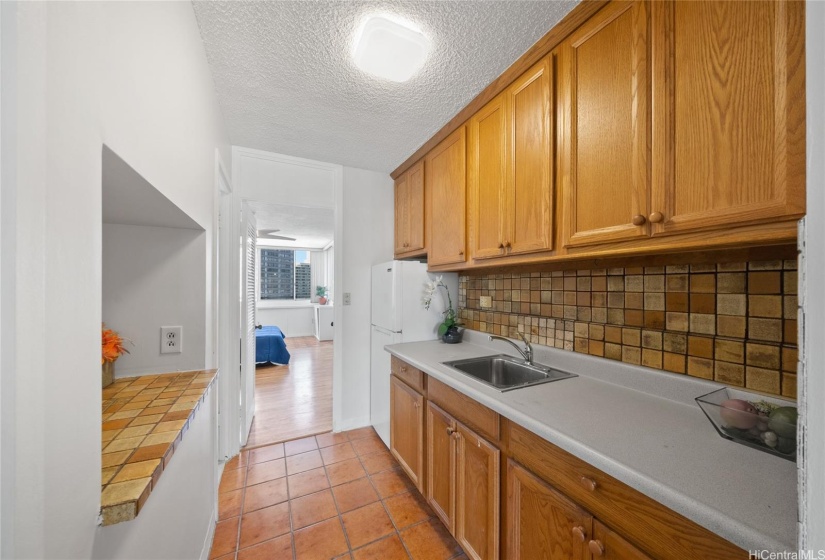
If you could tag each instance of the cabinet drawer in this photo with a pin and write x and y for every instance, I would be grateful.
(464, 408)
(656, 529)
(411, 376)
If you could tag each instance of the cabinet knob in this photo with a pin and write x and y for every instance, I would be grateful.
(450, 431)
(507, 245)
(461, 253)
(501, 245)
(403, 369)
(578, 532)
(588, 483)
(639, 220)
(596, 547)
(656, 218)
(417, 404)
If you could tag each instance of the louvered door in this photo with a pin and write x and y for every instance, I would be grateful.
(247, 370)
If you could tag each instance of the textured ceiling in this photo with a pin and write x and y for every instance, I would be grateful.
(286, 81)
(312, 228)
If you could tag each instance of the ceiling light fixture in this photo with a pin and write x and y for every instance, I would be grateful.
(390, 48)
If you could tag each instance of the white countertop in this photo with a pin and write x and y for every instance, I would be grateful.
(642, 427)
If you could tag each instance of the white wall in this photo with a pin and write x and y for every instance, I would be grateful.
(153, 277)
(293, 321)
(366, 238)
(132, 75)
(184, 493)
(812, 382)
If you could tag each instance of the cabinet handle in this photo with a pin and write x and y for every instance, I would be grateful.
(450, 431)
(638, 220)
(578, 532)
(461, 253)
(656, 217)
(403, 369)
(501, 246)
(596, 547)
(588, 483)
(507, 246)
(416, 404)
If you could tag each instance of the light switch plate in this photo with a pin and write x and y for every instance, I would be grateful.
(347, 298)
(485, 302)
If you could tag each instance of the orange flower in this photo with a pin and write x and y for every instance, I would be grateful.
(112, 345)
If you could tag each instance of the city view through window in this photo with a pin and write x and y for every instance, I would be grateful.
(285, 274)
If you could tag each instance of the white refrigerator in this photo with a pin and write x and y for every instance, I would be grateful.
(398, 315)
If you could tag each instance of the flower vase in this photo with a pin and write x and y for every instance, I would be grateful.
(453, 335)
(108, 373)
(322, 300)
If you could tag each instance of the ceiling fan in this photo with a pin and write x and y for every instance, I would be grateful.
(271, 234)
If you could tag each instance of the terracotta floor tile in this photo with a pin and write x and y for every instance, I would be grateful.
(230, 556)
(149, 452)
(232, 480)
(264, 524)
(307, 482)
(279, 548)
(390, 483)
(300, 446)
(385, 549)
(369, 445)
(430, 541)
(354, 494)
(338, 453)
(378, 462)
(268, 453)
(407, 509)
(310, 509)
(237, 461)
(265, 494)
(360, 433)
(304, 462)
(229, 504)
(261, 472)
(330, 438)
(345, 471)
(226, 538)
(367, 524)
(320, 541)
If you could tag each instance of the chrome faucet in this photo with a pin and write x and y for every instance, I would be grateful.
(526, 353)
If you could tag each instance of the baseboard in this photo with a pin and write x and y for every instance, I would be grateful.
(351, 424)
(210, 534)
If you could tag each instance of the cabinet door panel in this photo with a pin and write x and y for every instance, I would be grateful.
(728, 121)
(487, 179)
(477, 496)
(441, 451)
(445, 171)
(402, 213)
(604, 160)
(415, 207)
(613, 545)
(541, 521)
(407, 430)
(530, 182)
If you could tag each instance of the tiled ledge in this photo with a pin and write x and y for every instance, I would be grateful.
(144, 419)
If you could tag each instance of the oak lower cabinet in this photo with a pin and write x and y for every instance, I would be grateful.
(407, 429)
(610, 545)
(463, 483)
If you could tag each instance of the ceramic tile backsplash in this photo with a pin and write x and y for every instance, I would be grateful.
(734, 323)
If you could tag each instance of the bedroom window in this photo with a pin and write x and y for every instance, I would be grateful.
(285, 274)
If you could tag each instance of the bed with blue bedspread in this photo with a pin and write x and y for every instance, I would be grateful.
(270, 346)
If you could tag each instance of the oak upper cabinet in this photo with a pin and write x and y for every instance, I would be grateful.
(510, 168)
(609, 545)
(445, 180)
(409, 211)
(407, 430)
(728, 114)
(463, 483)
(603, 138)
(542, 522)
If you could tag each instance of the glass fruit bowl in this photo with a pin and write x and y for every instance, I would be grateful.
(762, 422)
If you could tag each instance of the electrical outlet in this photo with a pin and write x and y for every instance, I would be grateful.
(485, 302)
(347, 298)
(171, 340)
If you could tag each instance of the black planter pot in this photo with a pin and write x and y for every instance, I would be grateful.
(453, 335)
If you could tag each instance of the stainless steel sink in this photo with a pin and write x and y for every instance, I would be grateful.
(506, 373)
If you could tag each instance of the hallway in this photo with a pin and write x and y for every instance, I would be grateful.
(296, 400)
(329, 496)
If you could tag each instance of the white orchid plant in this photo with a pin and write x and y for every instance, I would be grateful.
(450, 318)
